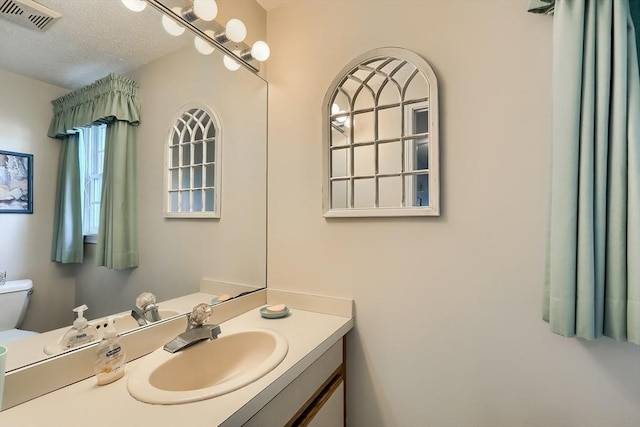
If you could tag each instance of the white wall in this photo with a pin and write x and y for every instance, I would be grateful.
(448, 310)
(25, 239)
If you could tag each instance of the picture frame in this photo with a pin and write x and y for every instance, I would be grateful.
(16, 182)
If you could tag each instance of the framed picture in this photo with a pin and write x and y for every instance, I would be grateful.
(16, 182)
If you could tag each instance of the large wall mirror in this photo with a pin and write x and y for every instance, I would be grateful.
(175, 253)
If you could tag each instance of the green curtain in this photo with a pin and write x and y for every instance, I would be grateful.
(593, 259)
(67, 231)
(117, 239)
(114, 101)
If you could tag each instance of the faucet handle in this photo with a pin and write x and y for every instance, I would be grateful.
(199, 315)
(145, 299)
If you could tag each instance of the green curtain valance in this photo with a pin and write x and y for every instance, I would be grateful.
(114, 97)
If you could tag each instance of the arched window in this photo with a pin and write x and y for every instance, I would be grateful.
(193, 166)
(381, 137)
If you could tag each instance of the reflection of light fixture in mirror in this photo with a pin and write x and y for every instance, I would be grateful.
(203, 46)
(230, 64)
(135, 5)
(341, 121)
(171, 26)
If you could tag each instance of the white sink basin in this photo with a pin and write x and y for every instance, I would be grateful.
(207, 369)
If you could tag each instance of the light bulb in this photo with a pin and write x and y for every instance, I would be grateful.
(206, 10)
(230, 64)
(260, 51)
(335, 108)
(235, 30)
(202, 45)
(135, 5)
(171, 26)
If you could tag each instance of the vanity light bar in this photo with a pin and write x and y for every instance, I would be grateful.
(216, 35)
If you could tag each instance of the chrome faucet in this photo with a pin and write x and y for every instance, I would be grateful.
(197, 330)
(146, 310)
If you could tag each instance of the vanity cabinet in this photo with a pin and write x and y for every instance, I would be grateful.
(332, 412)
(306, 389)
(315, 398)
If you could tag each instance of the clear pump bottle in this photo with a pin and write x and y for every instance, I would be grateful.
(110, 356)
(80, 333)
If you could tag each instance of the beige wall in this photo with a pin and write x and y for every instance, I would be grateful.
(448, 329)
(25, 240)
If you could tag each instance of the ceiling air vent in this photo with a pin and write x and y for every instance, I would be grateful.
(28, 13)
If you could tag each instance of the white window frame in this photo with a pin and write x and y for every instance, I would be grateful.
(433, 136)
(188, 139)
(91, 153)
(409, 124)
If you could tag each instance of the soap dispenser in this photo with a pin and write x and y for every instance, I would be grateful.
(81, 332)
(110, 357)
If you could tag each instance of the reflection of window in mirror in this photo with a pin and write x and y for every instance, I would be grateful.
(91, 158)
(193, 166)
(417, 153)
(381, 137)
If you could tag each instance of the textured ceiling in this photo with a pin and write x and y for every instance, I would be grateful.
(90, 40)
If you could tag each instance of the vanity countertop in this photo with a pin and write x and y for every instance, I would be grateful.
(309, 335)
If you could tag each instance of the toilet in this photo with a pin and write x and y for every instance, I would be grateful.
(14, 298)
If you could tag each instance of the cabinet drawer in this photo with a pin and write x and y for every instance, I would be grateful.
(332, 411)
(292, 400)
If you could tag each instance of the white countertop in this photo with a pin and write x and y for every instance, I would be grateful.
(309, 335)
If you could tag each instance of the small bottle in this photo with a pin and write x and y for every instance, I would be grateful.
(80, 333)
(110, 357)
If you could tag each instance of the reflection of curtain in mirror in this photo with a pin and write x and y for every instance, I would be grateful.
(114, 101)
(593, 273)
(67, 227)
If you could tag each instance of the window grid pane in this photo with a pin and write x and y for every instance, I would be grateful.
(92, 140)
(191, 164)
(388, 138)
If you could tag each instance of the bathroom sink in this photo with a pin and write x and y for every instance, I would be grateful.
(207, 369)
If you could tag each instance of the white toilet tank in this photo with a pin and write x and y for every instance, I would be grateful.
(14, 298)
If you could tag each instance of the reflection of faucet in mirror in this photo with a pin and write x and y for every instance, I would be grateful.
(197, 329)
(146, 309)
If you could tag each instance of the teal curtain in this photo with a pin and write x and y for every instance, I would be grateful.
(593, 259)
(67, 230)
(117, 239)
(114, 101)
